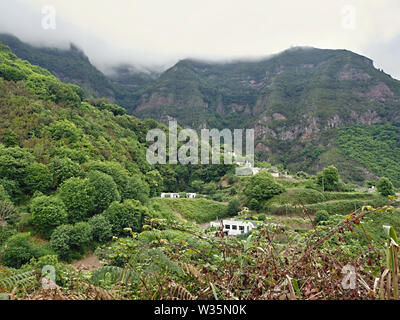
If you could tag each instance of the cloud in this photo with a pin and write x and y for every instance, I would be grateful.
(148, 32)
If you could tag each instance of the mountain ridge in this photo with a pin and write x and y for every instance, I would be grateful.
(298, 102)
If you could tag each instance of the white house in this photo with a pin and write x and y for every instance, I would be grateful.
(234, 227)
(169, 195)
(191, 195)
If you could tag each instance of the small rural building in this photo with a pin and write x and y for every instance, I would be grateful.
(169, 195)
(191, 195)
(234, 227)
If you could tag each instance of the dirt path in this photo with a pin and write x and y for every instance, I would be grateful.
(89, 263)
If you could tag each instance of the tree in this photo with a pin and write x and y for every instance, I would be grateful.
(129, 214)
(14, 163)
(233, 207)
(136, 189)
(320, 216)
(197, 185)
(104, 190)
(47, 214)
(19, 249)
(113, 169)
(262, 186)
(63, 169)
(38, 177)
(328, 179)
(10, 139)
(71, 241)
(253, 204)
(155, 181)
(65, 129)
(385, 187)
(101, 228)
(60, 241)
(78, 197)
(4, 196)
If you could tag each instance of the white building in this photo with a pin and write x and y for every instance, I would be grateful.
(234, 227)
(169, 195)
(191, 195)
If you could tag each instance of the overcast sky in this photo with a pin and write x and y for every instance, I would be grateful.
(160, 32)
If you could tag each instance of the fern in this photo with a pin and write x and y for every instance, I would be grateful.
(8, 283)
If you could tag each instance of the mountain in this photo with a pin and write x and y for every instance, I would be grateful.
(298, 102)
(305, 104)
(73, 66)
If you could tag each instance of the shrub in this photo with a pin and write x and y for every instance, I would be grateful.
(47, 214)
(104, 190)
(253, 204)
(262, 217)
(155, 181)
(129, 214)
(136, 189)
(71, 241)
(10, 139)
(77, 195)
(3, 194)
(19, 249)
(114, 169)
(101, 228)
(233, 208)
(65, 129)
(63, 169)
(60, 241)
(5, 233)
(321, 215)
(262, 186)
(38, 177)
(81, 237)
(14, 163)
(385, 187)
(8, 213)
(328, 179)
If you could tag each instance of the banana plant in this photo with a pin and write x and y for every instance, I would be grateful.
(392, 265)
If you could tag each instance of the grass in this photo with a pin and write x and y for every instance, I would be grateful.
(193, 210)
(342, 207)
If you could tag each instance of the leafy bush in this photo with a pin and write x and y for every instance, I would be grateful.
(60, 241)
(47, 214)
(233, 207)
(77, 195)
(262, 186)
(8, 213)
(38, 177)
(113, 169)
(136, 189)
(101, 228)
(129, 214)
(385, 187)
(321, 215)
(63, 169)
(105, 190)
(19, 249)
(5, 233)
(10, 139)
(328, 179)
(3, 194)
(71, 241)
(254, 204)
